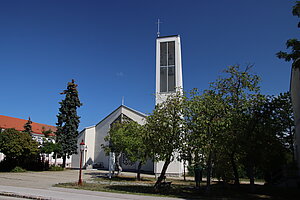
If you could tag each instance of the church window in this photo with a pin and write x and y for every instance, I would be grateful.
(167, 66)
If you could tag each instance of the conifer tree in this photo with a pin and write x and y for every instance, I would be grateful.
(27, 127)
(68, 121)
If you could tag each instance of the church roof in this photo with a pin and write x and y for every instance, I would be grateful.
(18, 124)
(123, 106)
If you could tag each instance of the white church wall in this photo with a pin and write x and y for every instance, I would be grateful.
(102, 129)
(89, 153)
(175, 168)
(295, 94)
(76, 157)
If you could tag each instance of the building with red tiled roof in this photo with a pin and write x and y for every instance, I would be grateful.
(18, 124)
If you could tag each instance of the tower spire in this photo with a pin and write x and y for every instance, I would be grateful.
(158, 22)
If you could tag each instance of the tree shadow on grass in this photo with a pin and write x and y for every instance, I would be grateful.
(104, 176)
(217, 191)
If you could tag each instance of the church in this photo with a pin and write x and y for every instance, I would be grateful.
(168, 81)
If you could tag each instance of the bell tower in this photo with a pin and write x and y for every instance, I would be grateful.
(168, 67)
(168, 81)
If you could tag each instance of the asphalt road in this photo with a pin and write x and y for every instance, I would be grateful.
(39, 185)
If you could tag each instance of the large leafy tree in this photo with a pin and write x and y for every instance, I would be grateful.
(283, 120)
(264, 145)
(127, 138)
(293, 44)
(68, 121)
(238, 88)
(205, 120)
(17, 146)
(164, 132)
(257, 135)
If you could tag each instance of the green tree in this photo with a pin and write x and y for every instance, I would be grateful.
(283, 120)
(256, 135)
(164, 132)
(49, 145)
(205, 120)
(28, 127)
(68, 121)
(17, 146)
(127, 138)
(293, 44)
(238, 89)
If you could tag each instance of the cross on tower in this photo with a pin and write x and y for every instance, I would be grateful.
(158, 22)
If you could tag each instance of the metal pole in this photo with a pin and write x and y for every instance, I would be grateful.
(80, 180)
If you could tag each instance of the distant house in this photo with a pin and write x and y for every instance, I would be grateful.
(18, 124)
(37, 130)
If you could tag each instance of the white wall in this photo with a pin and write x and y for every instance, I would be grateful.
(101, 131)
(295, 94)
(76, 157)
(175, 167)
(161, 97)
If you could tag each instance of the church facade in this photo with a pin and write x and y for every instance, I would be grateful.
(168, 81)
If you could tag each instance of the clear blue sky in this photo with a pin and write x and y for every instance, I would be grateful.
(108, 47)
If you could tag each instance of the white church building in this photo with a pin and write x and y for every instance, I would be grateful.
(168, 81)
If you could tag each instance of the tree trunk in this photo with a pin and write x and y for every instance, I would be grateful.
(117, 163)
(251, 176)
(64, 161)
(235, 171)
(162, 174)
(184, 170)
(208, 172)
(138, 175)
(55, 159)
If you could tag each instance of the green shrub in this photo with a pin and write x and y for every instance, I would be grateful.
(18, 169)
(56, 168)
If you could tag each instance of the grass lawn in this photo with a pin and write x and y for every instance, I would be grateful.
(184, 189)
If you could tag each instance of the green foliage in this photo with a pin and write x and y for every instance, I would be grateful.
(127, 138)
(165, 131)
(205, 119)
(68, 121)
(18, 169)
(27, 127)
(47, 133)
(49, 147)
(165, 128)
(283, 120)
(17, 145)
(239, 90)
(293, 44)
(55, 168)
(20, 150)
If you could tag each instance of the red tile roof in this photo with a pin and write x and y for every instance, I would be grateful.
(18, 124)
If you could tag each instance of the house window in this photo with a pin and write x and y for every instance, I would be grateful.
(167, 66)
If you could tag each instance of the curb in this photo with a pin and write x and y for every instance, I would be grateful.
(11, 194)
